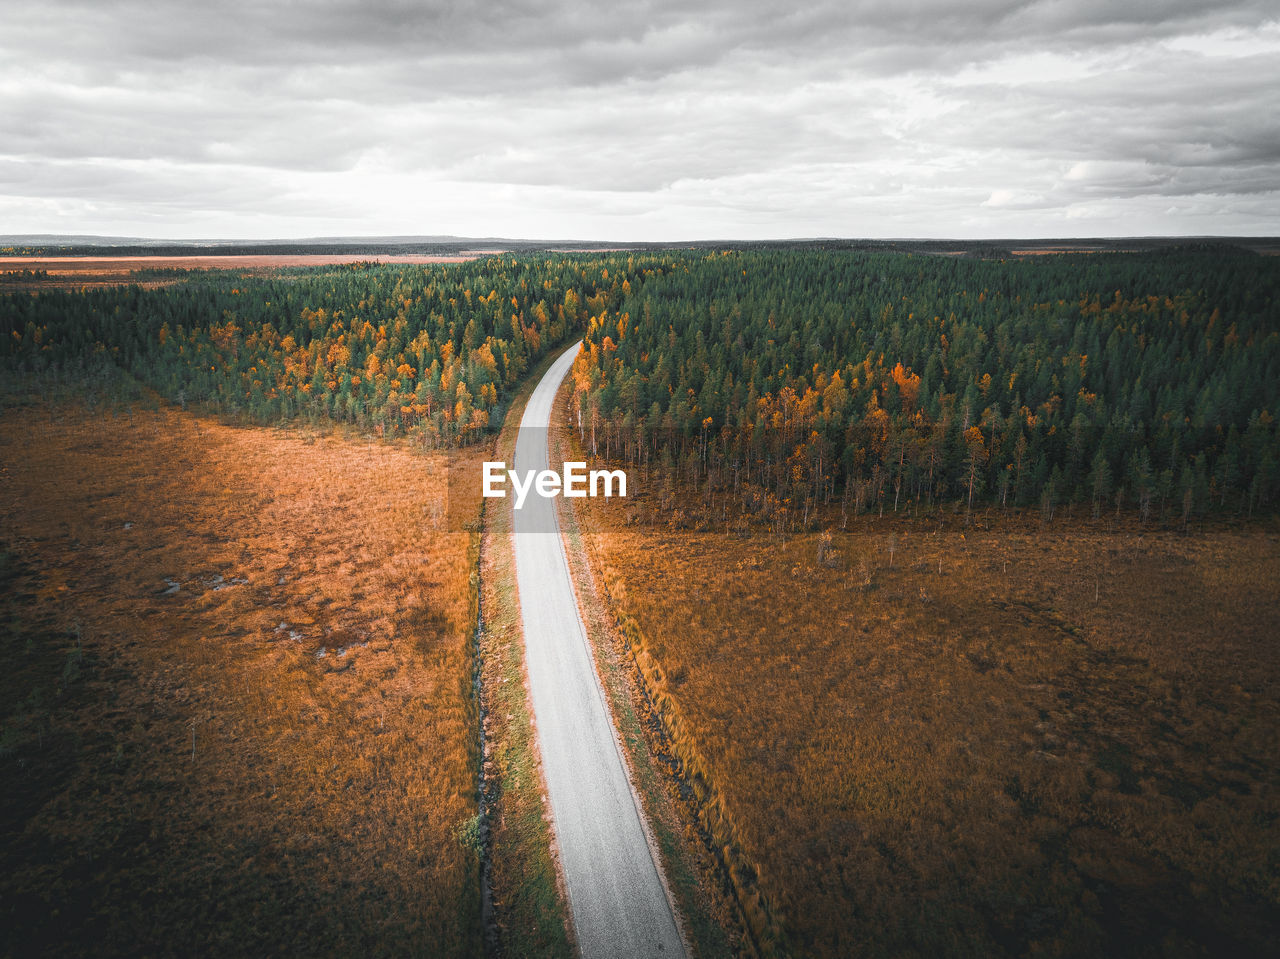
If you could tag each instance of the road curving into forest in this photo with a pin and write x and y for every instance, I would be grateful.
(617, 898)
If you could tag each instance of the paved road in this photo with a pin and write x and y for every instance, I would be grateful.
(619, 905)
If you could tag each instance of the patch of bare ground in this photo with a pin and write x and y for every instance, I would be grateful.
(916, 737)
(236, 696)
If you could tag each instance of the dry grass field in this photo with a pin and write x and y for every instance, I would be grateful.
(35, 273)
(237, 692)
(995, 740)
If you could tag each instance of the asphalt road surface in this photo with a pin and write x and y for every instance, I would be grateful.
(618, 901)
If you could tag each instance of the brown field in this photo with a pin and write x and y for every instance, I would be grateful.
(75, 272)
(1000, 740)
(237, 705)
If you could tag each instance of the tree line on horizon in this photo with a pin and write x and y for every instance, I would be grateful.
(877, 380)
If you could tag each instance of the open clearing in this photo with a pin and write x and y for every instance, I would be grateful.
(237, 706)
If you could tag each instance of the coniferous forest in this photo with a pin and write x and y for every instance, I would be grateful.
(428, 351)
(1146, 381)
(1136, 380)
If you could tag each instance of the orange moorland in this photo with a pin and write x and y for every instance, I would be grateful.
(36, 273)
(917, 737)
(237, 694)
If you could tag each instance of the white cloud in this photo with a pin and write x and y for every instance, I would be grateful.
(1014, 199)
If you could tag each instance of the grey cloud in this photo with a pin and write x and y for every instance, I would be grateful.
(647, 142)
(163, 193)
(177, 126)
(759, 111)
(1207, 126)
(558, 38)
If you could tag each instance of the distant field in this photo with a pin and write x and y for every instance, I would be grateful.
(236, 697)
(77, 271)
(1001, 740)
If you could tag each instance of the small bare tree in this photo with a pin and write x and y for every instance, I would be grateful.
(824, 547)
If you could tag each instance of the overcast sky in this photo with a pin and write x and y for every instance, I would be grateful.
(652, 120)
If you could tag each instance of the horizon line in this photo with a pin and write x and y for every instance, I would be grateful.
(453, 239)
